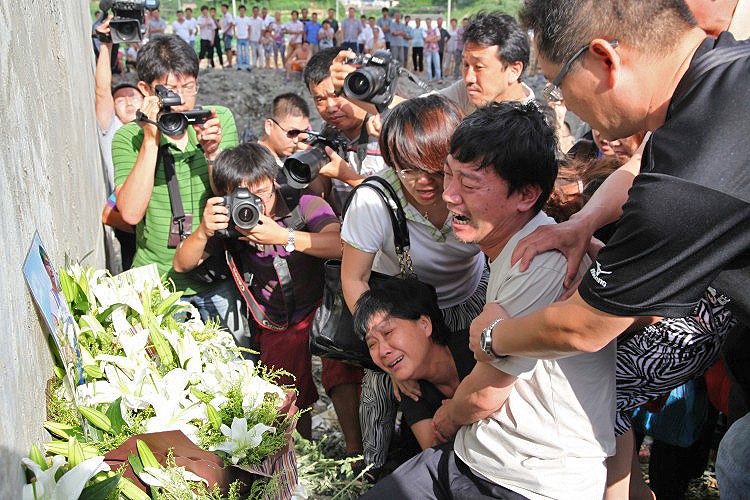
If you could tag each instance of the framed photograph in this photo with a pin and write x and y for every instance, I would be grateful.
(45, 288)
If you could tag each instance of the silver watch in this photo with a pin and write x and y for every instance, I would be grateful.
(289, 247)
(485, 341)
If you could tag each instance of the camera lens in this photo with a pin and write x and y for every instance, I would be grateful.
(172, 124)
(303, 166)
(125, 31)
(359, 84)
(245, 215)
(365, 83)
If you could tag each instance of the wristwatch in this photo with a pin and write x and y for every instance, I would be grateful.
(289, 247)
(485, 341)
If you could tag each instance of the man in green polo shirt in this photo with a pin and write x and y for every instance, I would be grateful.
(141, 184)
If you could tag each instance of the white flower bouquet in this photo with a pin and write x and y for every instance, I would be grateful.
(152, 366)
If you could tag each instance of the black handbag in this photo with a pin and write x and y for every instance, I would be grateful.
(332, 335)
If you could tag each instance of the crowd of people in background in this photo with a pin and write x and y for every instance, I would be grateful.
(525, 358)
(258, 39)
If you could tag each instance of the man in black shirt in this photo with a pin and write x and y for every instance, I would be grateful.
(685, 223)
(403, 327)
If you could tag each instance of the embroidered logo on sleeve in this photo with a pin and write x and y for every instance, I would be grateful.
(597, 274)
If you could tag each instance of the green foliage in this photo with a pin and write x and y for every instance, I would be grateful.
(322, 475)
(267, 413)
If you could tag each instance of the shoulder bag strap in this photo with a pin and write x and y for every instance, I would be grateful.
(398, 219)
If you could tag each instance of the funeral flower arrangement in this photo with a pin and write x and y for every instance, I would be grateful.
(147, 364)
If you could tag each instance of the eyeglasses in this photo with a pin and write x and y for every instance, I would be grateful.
(291, 134)
(265, 193)
(187, 89)
(414, 174)
(552, 89)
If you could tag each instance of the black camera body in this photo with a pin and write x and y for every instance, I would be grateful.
(128, 22)
(375, 81)
(244, 211)
(174, 123)
(303, 166)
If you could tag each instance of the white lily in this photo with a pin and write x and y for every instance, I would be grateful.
(240, 439)
(174, 410)
(135, 392)
(188, 352)
(69, 486)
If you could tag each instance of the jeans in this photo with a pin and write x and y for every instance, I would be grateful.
(243, 55)
(222, 303)
(458, 63)
(733, 461)
(279, 48)
(432, 59)
(257, 53)
(227, 43)
(350, 45)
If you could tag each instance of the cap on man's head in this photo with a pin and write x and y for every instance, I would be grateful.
(125, 85)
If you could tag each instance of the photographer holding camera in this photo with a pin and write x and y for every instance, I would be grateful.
(166, 208)
(281, 237)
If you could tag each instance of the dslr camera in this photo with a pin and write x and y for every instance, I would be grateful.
(174, 123)
(375, 80)
(128, 22)
(244, 212)
(303, 166)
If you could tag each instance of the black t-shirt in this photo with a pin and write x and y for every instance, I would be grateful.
(687, 218)
(432, 398)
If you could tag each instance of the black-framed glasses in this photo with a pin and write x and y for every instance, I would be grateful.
(291, 134)
(552, 89)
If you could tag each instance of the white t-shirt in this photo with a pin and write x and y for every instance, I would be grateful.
(256, 28)
(242, 27)
(226, 20)
(182, 30)
(452, 267)
(295, 26)
(193, 25)
(268, 21)
(105, 146)
(553, 434)
(207, 26)
(365, 34)
(458, 94)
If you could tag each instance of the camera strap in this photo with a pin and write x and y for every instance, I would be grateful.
(243, 282)
(175, 199)
(363, 140)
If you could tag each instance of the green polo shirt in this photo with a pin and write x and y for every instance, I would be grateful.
(191, 169)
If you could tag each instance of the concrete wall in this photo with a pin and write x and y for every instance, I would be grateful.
(51, 182)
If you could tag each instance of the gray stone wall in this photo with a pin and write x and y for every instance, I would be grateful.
(51, 182)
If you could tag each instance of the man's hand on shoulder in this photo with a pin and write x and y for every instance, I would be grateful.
(572, 238)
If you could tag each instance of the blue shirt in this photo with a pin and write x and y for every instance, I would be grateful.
(311, 31)
(417, 37)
